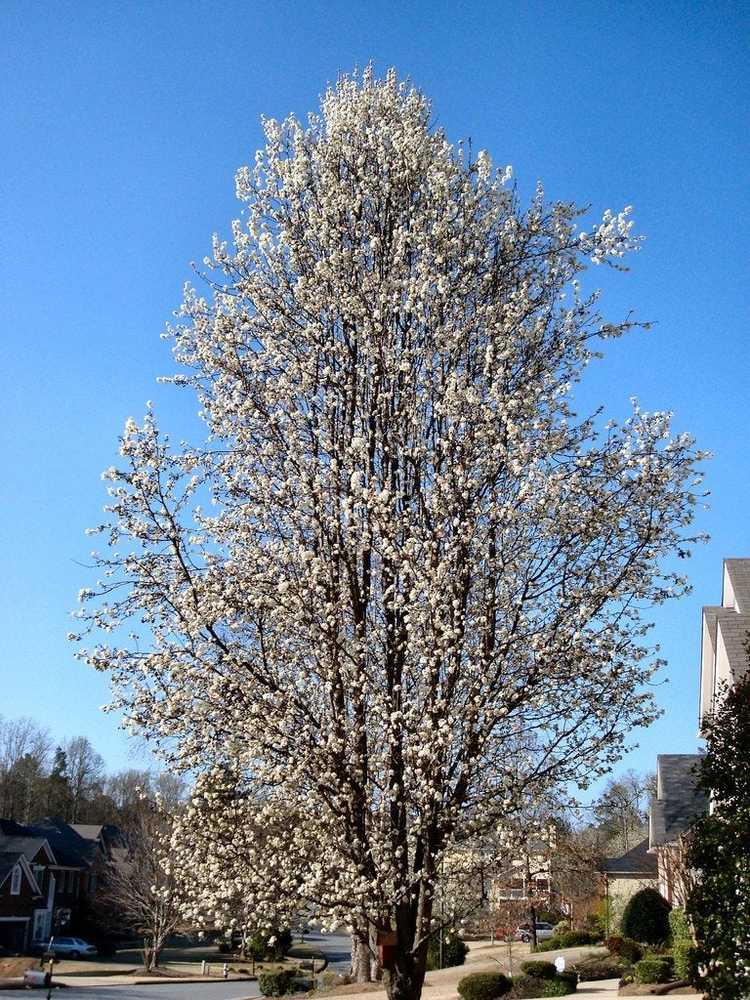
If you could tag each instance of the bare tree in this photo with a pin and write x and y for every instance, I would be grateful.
(84, 771)
(24, 762)
(622, 809)
(139, 889)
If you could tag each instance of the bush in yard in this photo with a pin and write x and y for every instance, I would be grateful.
(646, 917)
(624, 947)
(526, 986)
(562, 928)
(654, 969)
(276, 982)
(595, 924)
(599, 967)
(570, 939)
(683, 949)
(569, 976)
(539, 968)
(484, 986)
(685, 957)
(559, 984)
(454, 952)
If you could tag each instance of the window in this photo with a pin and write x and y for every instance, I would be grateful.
(15, 881)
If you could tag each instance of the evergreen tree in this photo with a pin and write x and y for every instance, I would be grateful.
(719, 905)
(59, 795)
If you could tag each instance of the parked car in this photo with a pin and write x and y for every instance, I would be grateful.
(544, 931)
(66, 947)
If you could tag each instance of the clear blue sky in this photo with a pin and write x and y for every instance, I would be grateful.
(122, 125)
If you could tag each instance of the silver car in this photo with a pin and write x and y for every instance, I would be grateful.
(67, 947)
(544, 931)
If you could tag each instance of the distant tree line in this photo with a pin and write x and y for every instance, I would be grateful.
(39, 777)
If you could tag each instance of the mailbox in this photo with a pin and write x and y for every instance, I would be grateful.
(35, 977)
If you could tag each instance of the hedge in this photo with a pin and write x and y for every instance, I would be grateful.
(539, 968)
(654, 969)
(276, 982)
(599, 967)
(570, 939)
(454, 952)
(484, 986)
(625, 947)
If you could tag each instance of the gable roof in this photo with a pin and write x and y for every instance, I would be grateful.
(636, 861)
(70, 848)
(15, 837)
(10, 860)
(679, 802)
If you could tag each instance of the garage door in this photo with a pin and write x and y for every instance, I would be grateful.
(13, 934)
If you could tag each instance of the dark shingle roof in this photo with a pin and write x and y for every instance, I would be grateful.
(15, 837)
(68, 846)
(636, 861)
(680, 802)
(8, 861)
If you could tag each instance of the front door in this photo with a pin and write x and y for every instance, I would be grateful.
(41, 925)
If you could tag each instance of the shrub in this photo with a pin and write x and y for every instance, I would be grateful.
(526, 986)
(595, 924)
(685, 960)
(484, 986)
(624, 947)
(559, 984)
(599, 967)
(678, 925)
(562, 928)
(454, 952)
(569, 976)
(570, 939)
(646, 917)
(539, 968)
(276, 982)
(558, 987)
(654, 969)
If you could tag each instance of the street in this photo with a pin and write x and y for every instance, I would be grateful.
(168, 991)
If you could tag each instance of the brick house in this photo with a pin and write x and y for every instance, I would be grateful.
(21, 898)
(50, 872)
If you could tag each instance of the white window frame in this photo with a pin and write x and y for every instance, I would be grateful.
(15, 881)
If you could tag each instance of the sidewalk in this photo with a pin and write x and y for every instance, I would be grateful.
(81, 982)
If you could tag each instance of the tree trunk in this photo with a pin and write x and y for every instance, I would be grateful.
(405, 980)
(532, 915)
(360, 956)
(376, 969)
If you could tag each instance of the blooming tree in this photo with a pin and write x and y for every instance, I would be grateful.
(399, 589)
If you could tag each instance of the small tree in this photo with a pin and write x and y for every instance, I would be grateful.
(140, 891)
(719, 901)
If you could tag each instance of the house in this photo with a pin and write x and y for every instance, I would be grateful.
(634, 870)
(21, 898)
(723, 660)
(677, 805)
(27, 891)
(50, 872)
(724, 632)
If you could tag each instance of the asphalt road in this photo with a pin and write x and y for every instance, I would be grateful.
(167, 991)
(336, 948)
